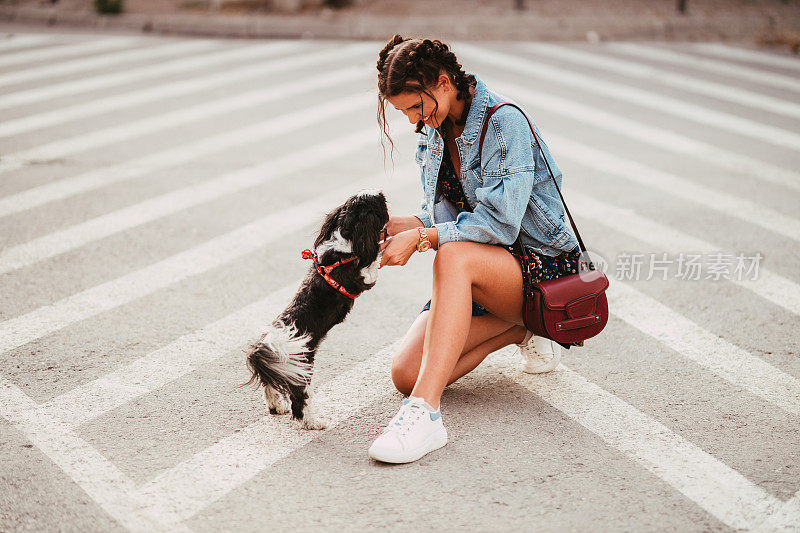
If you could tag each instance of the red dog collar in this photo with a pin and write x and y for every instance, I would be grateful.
(325, 272)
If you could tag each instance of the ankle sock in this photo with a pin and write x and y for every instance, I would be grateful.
(426, 404)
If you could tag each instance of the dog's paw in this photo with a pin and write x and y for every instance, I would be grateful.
(281, 408)
(312, 422)
(277, 403)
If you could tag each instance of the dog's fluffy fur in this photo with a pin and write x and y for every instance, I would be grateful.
(283, 360)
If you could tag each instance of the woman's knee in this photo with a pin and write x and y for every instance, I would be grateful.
(403, 377)
(451, 257)
(408, 358)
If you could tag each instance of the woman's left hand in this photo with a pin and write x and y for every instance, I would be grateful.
(399, 248)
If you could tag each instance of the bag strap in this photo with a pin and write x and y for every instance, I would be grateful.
(480, 151)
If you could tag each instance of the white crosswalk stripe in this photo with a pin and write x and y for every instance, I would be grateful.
(171, 362)
(158, 70)
(98, 46)
(680, 81)
(707, 65)
(705, 348)
(205, 110)
(725, 203)
(113, 58)
(95, 474)
(726, 494)
(73, 237)
(691, 112)
(665, 139)
(169, 90)
(770, 286)
(82, 393)
(13, 41)
(225, 248)
(733, 52)
(785, 518)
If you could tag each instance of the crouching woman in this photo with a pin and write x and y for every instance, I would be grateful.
(473, 209)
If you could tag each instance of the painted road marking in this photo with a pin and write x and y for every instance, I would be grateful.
(786, 518)
(153, 124)
(218, 251)
(667, 78)
(136, 167)
(114, 491)
(654, 53)
(171, 89)
(106, 44)
(727, 204)
(181, 492)
(633, 95)
(744, 54)
(12, 41)
(707, 349)
(70, 238)
(95, 398)
(769, 285)
(168, 68)
(707, 481)
(113, 59)
(661, 138)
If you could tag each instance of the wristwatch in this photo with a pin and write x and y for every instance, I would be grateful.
(424, 244)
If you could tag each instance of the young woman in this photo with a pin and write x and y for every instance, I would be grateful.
(472, 211)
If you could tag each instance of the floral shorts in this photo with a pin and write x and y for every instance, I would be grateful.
(542, 267)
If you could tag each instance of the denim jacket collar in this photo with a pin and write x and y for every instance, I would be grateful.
(477, 111)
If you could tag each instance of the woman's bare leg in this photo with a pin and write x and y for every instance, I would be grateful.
(463, 272)
(470, 360)
(487, 334)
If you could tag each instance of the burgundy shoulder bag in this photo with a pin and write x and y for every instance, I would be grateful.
(566, 309)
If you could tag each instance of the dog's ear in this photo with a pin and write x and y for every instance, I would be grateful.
(330, 223)
(366, 233)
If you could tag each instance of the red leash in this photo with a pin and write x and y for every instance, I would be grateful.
(325, 272)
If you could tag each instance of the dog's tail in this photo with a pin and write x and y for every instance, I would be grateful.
(280, 359)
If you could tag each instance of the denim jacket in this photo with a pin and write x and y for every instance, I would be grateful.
(510, 190)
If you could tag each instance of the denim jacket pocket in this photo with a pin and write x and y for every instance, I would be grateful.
(474, 172)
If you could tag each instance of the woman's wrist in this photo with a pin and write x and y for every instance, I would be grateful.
(432, 235)
(400, 224)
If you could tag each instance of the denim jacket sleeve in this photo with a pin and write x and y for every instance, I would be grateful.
(507, 181)
(419, 157)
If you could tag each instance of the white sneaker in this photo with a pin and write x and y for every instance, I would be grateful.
(540, 354)
(413, 432)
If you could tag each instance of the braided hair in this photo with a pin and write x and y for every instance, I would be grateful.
(414, 65)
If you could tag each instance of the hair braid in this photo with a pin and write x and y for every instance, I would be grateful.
(415, 65)
(397, 39)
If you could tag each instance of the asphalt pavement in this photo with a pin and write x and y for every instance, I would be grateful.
(155, 194)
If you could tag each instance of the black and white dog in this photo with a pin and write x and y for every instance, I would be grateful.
(346, 263)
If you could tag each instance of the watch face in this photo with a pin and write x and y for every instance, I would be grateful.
(423, 246)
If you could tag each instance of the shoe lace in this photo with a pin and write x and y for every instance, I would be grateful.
(406, 417)
(529, 352)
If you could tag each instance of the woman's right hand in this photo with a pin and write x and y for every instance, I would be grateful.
(399, 224)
